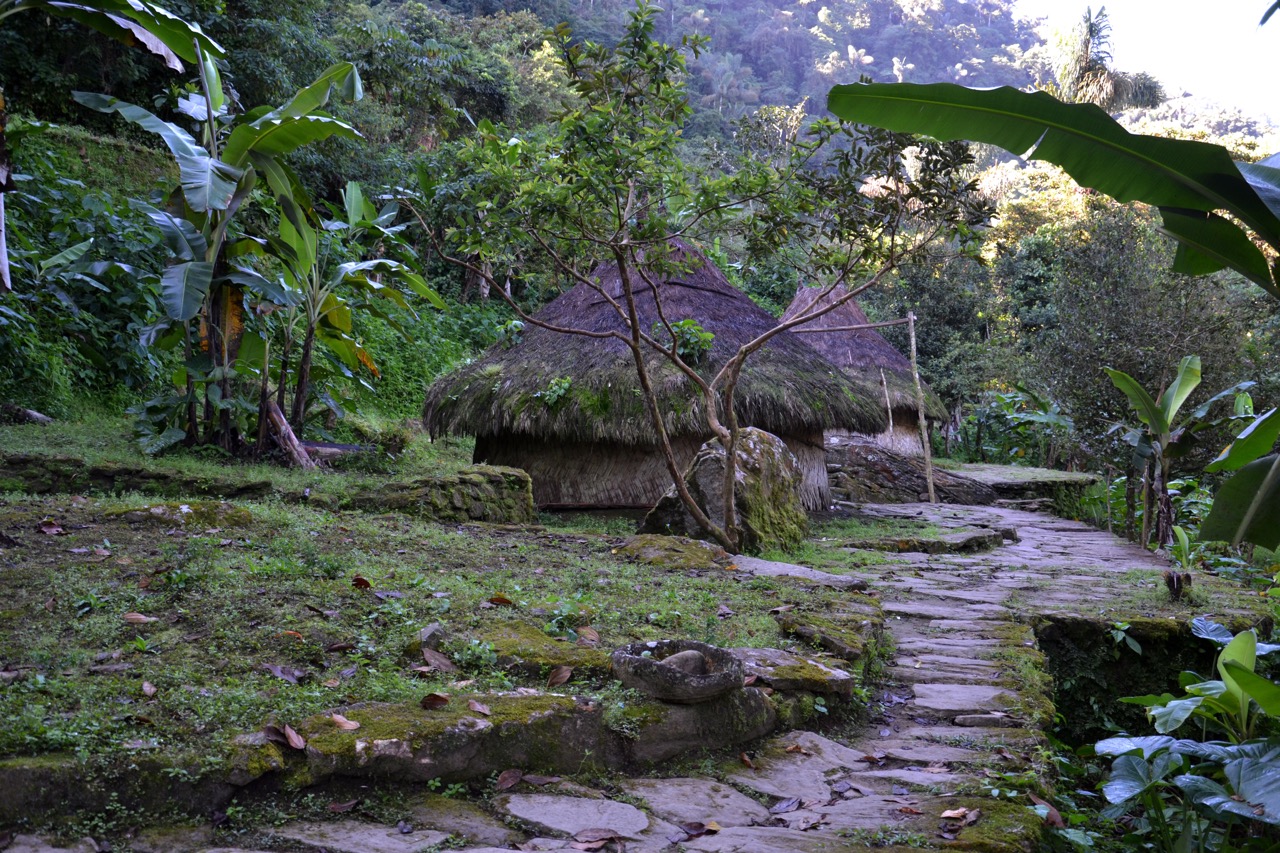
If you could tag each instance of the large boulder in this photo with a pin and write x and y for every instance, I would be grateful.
(766, 493)
(861, 471)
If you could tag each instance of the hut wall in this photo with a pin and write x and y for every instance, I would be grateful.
(609, 475)
(588, 474)
(815, 490)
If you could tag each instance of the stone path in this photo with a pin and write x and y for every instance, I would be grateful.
(962, 716)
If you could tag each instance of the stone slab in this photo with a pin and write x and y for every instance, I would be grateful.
(961, 698)
(807, 774)
(768, 568)
(686, 800)
(351, 836)
(556, 815)
(462, 819)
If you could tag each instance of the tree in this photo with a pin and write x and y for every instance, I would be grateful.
(1085, 74)
(608, 184)
(134, 22)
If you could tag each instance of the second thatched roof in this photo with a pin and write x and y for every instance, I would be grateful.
(862, 354)
(556, 386)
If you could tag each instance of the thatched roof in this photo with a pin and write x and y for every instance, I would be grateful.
(861, 354)
(786, 388)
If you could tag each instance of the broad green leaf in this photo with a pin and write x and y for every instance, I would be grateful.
(1167, 718)
(1207, 243)
(1145, 407)
(183, 288)
(298, 234)
(1264, 177)
(1148, 745)
(153, 444)
(1243, 650)
(1207, 629)
(272, 290)
(1259, 482)
(1256, 781)
(207, 184)
(1130, 776)
(281, 179)
(213, 83)
(285, 129)
(1176, 394)
(1233, 393)
(66, 257)
(1081, 138)
(181, 237)
(1255, 440)
(1262, 690)
(249, 359)
(178, 35)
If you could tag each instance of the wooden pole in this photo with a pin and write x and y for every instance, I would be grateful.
(924, 426)
(888, 406)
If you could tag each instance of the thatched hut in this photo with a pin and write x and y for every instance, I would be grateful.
(869, 361)
(568, 408)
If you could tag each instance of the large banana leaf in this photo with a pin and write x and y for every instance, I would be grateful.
(183, 288)
(207, 184)
(1247, 506)
(132, 21)
(1172, 174)
(295, 124)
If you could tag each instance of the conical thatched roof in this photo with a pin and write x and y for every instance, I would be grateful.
(786, 387)
(861, 354)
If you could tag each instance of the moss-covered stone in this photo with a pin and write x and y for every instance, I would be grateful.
(528, 650)
(47, 474)
(846, 633)
(673, 552)
(194, 514)
(479, 493)
(766, 495)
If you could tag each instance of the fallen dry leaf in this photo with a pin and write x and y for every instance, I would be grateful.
(49, 527)
(343, 723)
(748, 681)
(438, 661)
(508, 779)
(909, 810)
(339, 808)
(588, 636)
(339, 647)
(478, 707)
(138, 619)
(332, 682)
(535, 779)
(746, 761)
(148, 689)
(596, 834)
(559, 675)
(51, 604)
(432, 701)
(293, 634)
(294, 739)
(795, 747)
(1052, 817)
(501, 601)
(361, 583)
(787, 805)
(288, 673)
(724, 611)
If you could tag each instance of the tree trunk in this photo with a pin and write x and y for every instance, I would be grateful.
(6, 185)
(1131, 504)
(303, 386)
(286, 439)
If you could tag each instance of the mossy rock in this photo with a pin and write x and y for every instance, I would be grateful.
(480, 493)
(528, 650)
(194, 514)
(847, 633)
(404, 742)
(673, 552)
(766, 495)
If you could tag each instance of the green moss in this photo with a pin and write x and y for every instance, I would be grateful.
(528, 649)
(1005, 827)
(597, 403)
(672, 552)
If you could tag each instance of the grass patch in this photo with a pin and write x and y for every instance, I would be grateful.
(278, 592)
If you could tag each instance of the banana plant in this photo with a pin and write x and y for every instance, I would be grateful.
(1163, 437)
(326, 295)
(235, 153)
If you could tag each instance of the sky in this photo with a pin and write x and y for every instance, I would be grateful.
(1211, 48)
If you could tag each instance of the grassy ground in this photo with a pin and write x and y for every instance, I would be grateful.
(119, 635)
